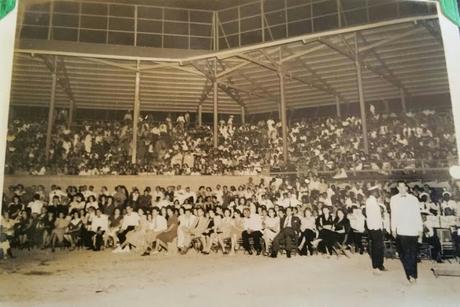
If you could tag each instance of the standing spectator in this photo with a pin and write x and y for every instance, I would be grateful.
(375, 226)
(406, 226)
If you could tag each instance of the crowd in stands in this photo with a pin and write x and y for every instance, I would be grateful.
(178, 147)
(305, 215)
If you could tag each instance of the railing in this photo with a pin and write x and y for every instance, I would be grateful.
(420, 167)
(166, 27)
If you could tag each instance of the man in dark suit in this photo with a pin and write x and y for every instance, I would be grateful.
(288, 235)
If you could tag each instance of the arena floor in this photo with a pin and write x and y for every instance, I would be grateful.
(83, 278)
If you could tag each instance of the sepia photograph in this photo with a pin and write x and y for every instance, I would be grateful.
(250, 153)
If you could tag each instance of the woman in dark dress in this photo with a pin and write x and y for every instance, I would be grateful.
(341, 229)
(325, 225)
(73, 230)
(48, 226)
(171, 233)
(23, 229)
(109, 207)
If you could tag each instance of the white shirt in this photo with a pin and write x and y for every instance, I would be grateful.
(159, 223)
(253, 223)
(405, 215)
(35, 206)
(100, 221)
(130, 220)
(373, 213)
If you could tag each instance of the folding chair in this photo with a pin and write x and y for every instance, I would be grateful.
(448, 249)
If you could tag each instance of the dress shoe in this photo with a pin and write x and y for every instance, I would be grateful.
(288, 254)
(273, 255)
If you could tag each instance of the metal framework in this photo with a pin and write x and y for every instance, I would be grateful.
(350, 64)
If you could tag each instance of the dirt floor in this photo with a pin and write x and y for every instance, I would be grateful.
(85, 278)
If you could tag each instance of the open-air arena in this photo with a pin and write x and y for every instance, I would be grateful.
(230, 153)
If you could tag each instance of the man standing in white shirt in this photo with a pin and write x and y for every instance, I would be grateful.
(406, 226)
(375, 225)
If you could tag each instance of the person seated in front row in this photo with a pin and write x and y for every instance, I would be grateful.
(308, 233)
(187, 222)
(288, 235)
(252, 230)
(271, 228)
(156, 225)
(170, 234)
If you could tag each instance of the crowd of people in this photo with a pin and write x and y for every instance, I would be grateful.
(305, 215)
(178, 147)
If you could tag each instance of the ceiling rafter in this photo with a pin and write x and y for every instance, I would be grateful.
(61, 73)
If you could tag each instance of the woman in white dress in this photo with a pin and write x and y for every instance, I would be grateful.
(271, 226)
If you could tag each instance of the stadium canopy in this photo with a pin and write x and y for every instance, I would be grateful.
(237, 56)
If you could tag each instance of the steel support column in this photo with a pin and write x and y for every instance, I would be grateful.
(215, 115)
(361, 96)
(49, 130)
(403, 101)
(243, 115)
(71, 114)
(337, 105)
(283, 117)
(136, 114)
(200, 115)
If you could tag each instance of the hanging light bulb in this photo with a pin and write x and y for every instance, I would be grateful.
(454, 171)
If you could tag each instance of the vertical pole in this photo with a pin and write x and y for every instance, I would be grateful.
(50, 20)
(217, 32)
(49, 130)
(239, 26)
(337, 104)
(71, 113)
(451, 41)
(162, 27)
(361, 96)
(262, 23)
(136, 113)
(283, 117)
(283, 110)
(79, 21)
(339, 14)
(8, 30)
(107, 25)
(243, 115)
(189, 29)
(403, 101)
(135, 24)
(200, 114)
(215, 86)
(286, 18)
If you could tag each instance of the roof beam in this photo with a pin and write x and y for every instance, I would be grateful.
(369, 67)
(364, 51)
(436, 34)
(327, 88)
(389, 73)
(301, 53)
(111, 63)
(62, 76)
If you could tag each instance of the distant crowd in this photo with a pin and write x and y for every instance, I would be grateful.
(306, 216)
(178, 147)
